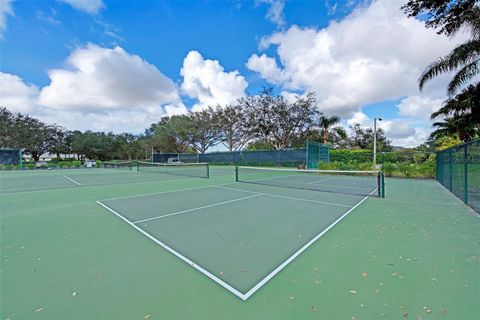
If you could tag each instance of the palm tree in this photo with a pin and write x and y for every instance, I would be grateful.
(465, 58)
(461, 115)
(326, 124)
(451, 127)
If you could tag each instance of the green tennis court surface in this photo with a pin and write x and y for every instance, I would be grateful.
(127, 244)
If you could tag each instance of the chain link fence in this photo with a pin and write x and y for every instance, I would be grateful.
(458, 170)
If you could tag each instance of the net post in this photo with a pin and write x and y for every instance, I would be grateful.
(236, 174)
(208, 171)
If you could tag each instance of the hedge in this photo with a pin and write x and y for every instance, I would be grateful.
(402, 169)
(362, 156)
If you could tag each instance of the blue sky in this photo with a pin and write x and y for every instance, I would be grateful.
(121, 65)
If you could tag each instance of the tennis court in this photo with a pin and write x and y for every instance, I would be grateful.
(151, 241)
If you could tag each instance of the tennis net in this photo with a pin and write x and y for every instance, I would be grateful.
(362, 183)
(118, 165)
(193, 170)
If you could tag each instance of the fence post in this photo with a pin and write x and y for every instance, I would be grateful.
(465, 166)
(450, 153)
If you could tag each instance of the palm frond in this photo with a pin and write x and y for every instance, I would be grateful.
(462, 55)
(463, 75)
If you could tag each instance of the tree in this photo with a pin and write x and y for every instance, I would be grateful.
(61, 143)
(7, 120)
(326, 125)
(276, 121)
(234, 131)
(450, 17)
(461, 115)
(174, 134)
(362, 138)
(206, 130)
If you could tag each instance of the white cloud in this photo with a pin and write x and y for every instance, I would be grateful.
(97, 79)
(99, 89)
(374, 54)
(88, 6)
(266, 67)
(419, 136)
(360, 118)
(402, 132)
(17, 95)
(206, 81)
(275, 11)
(5, 10)
(418, 106)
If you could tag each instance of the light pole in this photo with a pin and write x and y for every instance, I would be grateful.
(375, 140)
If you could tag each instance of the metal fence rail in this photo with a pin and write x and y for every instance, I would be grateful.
(458, 170)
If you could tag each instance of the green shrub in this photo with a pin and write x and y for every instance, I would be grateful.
(65, 164)
(29, 166)
(98, 164)
(402, 169)
(77, 163)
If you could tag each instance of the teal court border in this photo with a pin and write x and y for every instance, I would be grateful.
(198, 267)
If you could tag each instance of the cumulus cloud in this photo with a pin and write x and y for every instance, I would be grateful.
(402, 132)
(17, 95)
(5, 10)
(418, 106)
(88, 6)
(374, 54)
(97, 79)
(266, 67)
(206, 81)
(275, 11)
(98, 89)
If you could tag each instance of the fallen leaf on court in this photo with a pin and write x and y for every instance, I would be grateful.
(353, 292)
(291, 297)
(221, 273)
(395, 274)
(405, 314)
(353, 318)
(429, 310)
(365, 274)
(314, 309)
(147, 317)
(74, 294)
(40, 309)
(434, 279)
(443, 311)
(243, 270)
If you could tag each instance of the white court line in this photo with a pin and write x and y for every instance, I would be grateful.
(198, 208)
(168, 191)
(316, 181)
(285, 197)
(76, 182)
(182, 257)
(219, 281)
(296, 254)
